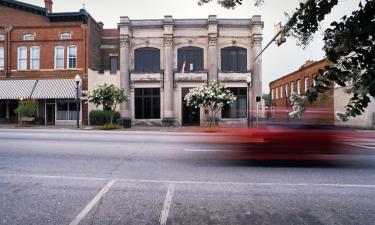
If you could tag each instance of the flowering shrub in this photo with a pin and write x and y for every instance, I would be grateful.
(26, 109)
(213, 97)
(298, 105)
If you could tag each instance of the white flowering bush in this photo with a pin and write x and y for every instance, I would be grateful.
(213, 97)
(298, 105)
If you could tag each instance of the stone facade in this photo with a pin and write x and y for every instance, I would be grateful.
(168, 35)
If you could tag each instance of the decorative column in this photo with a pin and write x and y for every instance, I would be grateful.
(256, 75)
(212, 49)
(168, 111)
(125, 75)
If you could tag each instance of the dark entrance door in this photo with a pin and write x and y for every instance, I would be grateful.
(190, 115)
(50, 110)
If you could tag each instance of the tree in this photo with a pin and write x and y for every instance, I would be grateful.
(108, 96)
(349, 44)
(213, 97)
(26, 109)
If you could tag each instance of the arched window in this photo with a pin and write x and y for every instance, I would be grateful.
(306, 83)
(65, 36)
(28, 37)
(147, 60)
(233, 59)
(190, 59)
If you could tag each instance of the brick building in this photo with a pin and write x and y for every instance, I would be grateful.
(41, 52)
(299, 81)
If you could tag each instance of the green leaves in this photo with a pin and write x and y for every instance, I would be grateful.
(107, 96)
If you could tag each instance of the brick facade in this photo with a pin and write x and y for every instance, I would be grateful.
(318, 112)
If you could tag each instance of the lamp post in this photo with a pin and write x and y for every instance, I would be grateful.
(248, 81)
(78, 82)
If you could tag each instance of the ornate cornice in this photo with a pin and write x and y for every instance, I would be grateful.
(257, 40)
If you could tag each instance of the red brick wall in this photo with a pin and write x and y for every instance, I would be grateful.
(318, 112)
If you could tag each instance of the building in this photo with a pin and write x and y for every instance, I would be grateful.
(319, 112)
(160, 60)
(40, 54)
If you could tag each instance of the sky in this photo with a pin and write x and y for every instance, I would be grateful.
(277, 61)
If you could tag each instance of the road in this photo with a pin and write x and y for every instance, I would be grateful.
(132, 177)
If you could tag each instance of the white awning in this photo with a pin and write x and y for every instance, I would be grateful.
(57, 88)
(16, 89)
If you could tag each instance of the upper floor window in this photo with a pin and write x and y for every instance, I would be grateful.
(315, 80)
(234, 59)
(34, 58)
(22, 58)
(306, 83)
(72, 56)
(273, 93)
(281, 91)
(28, 37)
(65, 36)
(147, 60)
(292, 87)
(113, 64)
(59, 57)
(299, 87)
(277, 93)
(2, 37)
(286, 90)
(1, 58)
(190, 59)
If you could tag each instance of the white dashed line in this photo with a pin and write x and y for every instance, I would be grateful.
(93, 202)
(167, 205)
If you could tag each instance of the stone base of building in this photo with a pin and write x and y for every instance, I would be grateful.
(168, 122)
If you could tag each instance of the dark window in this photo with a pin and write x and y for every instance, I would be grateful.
(147, 60)
(190, 59)
(238, 108)
(113, 63)
(147, 103)
(233, 59)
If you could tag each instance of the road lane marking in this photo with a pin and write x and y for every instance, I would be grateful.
(198, 182)
(93, 202)
(167, 205)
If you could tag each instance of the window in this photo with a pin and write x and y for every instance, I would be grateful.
(2, 37)
(190, 59)
(66, 110)
(147, 103)
(277, 93)
(113, 64)
(286, 90)
(34, 58)
(59, 57)
(72, 57)
(147, 60)
(273, 94)
(292, 87)
(315, 80)
(1, 58)
(281, 91)
(65, 36)
(306, 83)
(234, 59)
(28, 37)
(299, 87)
(238, 108)
(22, 58)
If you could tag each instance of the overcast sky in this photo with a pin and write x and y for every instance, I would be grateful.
(277, 61)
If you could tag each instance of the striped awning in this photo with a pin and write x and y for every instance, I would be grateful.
(51, 89)
(16, 89)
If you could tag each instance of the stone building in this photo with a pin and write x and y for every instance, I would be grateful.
(160, 60)
(299, 81)
(41, 52)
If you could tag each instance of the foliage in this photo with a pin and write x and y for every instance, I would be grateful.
(230, 4)
(213, 97)
(101, 117)
(298, 103)
(109, 126)
(108, 96)
(27, 108)
(349, 45)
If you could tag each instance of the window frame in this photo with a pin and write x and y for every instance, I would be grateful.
(281, 91)
(237, 103)
(315, 80)
(306, 82)
(196, 57)
(2, 37)
(19, 58)
(32, 59)
(2, 58)
(140, 60)
(28, 37)
(226, 58)
(63, 57)
(292, 83)
(299, 86)
(68, 56)
(277, 92)
(153, 97)
(66, 33)
(286, 87)
(115, 57)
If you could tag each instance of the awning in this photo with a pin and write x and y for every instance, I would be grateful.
(16, 89)
(51, 89)
(38, 89)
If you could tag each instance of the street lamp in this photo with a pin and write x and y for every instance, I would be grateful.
(248, 81)
(78, 81)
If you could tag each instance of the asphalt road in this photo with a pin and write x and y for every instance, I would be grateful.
(121, 177)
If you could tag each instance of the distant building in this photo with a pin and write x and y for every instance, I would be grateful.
(319, 112)
(40, 54)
